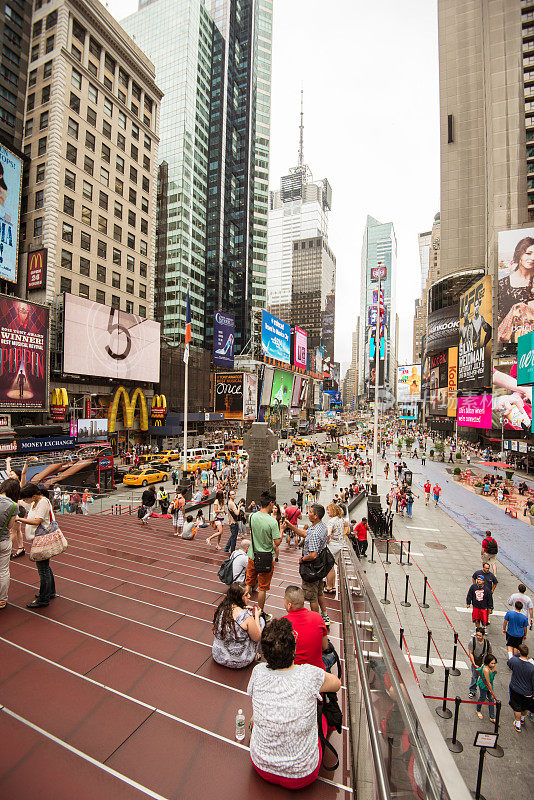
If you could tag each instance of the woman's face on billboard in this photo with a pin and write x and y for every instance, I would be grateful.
(527, 259)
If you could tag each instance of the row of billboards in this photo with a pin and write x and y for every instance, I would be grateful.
(278, 343)
(237, 393)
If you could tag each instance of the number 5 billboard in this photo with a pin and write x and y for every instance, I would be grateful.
(108, 343)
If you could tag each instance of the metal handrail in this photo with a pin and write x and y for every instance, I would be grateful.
(442, 779)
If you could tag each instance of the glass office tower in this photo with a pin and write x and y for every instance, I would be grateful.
(213, 63)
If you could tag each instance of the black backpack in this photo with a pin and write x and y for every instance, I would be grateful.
(492, 548)
(226, 571)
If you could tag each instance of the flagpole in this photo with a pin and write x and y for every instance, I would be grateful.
(186, 381)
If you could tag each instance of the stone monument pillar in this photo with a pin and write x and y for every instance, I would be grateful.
(260, 443)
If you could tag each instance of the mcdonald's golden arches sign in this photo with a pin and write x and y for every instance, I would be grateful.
(36, 273)
(59, 405)
(159, 409)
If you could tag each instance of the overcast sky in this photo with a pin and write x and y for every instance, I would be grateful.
(370, 77)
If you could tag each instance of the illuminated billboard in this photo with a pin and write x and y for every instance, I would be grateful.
(103, 341)
(24, 355)
(512, 404)
(300, 348)
(409, 383)
(474, 345)
(282, 388)
(275, 338)
(250, 396)
(475, 411)
(10, 193)
(229, 394)
(515, 315)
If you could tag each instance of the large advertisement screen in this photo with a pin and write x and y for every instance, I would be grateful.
(515, 314)
(452, 382)
(275, 338)
(439, 363)
(267, 385)
(300, 349)
(474, 346)
(295, 395)
(512, 404)
(442, 328)
(250, 396)
(223, 339)
(229, 394)
(282, 388)
(475, 411)
(10, 191)
(409, 383)
(24, 360)
(108, 343)
(90, 430)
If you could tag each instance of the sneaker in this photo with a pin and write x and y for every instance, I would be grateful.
(517, 726)
(472, 694)
(266, 617)
(326, 619)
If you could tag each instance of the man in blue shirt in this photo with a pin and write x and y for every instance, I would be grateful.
(521, 685)
(515, 627)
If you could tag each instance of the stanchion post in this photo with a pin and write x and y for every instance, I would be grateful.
(479, 796)
(497, 751)
(384, 599)
(442, 710)
(453, 744)
(424, 604)
(408, 562)
(387, 561)
(372, 559)
(426, 666)
(401, 551)
(405, 602)
(401, 637)
(454, 669)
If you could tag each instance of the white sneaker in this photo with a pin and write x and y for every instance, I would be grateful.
(326, 619)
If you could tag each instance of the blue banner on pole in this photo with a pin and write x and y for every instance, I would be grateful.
(223, 339)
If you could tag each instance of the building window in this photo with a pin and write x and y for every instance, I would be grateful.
(116, 280)
(121, 141)
(74, 102)
(142, 291)
(132, 195)
(104, 176)
(129, 306)
(122, 120)
(108, 83)
(43, 121)
(78, 31)
(144, 226)
(123, 78)
(148, 141)
(51, 20)
(101, 249)
(100, 296)
(142, 311)
(146, 184)
(41, 148)
(89, 165)
(106, 153)
(119, 164)
(87, 190)
(122, 96)
(92, 93)
(85, 241)
(142, 269)
(130, 263)
(118, 209)
(103, 200)
(115, 302)
(68, 205)
(67, 232)
(34, 55)
(72, 153)
(133, 174)
(91, 116)
(102, 224)
(27, 147)
(50, 45)
(47, 70)
(93, 68)
(84, 290)
(109, 63)
(39, 199)
(30, 102)
(117, 233)
(76, 52)
(129, 286)
(28, 127)
(143, 249)
(144, 204)
(70, 179)
(100, 273)
(85, 267)
(86, 215)
(32, 78)
(37, 28)
(106, 129)
(90, 141)
(134, 152)
(131, 241)
(94, 47)
(65, 285)
(146, 163)
(72, 128)
(116, 256)
(108, 107)
(38, 226)
(45, 94)
(135, 109)
(40, 173)
(66, 259)
(135, 130)
(119, 186)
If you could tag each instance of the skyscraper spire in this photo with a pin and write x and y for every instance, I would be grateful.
(301, 141)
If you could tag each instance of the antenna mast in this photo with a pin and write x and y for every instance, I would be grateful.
(301, 141)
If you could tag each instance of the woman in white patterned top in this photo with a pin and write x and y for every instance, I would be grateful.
(284, 746)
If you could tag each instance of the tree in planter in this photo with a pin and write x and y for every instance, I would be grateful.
(458, 456)
(440, 448)
(409, 441)
(457, 471)
(399, 444)
(509, 474)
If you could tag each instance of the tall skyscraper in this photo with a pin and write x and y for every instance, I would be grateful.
(213, 62)
(15, 27)
(424, 240)
(379, 249)
(313, 298)
(429, 243)
(350, 381)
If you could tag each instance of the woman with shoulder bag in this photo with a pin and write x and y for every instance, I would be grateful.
(41, 519)
(336, 528)
(9, 494)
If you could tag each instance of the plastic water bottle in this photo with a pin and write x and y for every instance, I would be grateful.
(240, 726)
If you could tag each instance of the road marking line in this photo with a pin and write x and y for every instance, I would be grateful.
(493, 613)
(415, 528)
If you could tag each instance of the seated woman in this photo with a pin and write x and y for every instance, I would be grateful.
(284, 747)
(236, 629)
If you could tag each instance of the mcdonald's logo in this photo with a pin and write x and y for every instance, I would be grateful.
(36, 272)
(128, 409)
(59, 404)
(159, 408)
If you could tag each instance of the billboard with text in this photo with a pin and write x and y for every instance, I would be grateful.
(223, 339)
(229, 394)
(515, 315)
(409, 383)
(474, 345)
(10, 194)
(300, 347)
(474, 411)
(24, 355)
(275, 338)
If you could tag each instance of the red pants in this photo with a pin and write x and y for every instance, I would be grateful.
(295, 783)
(480, 614)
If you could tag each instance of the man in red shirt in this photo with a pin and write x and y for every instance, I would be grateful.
(292, 514)
(361, 530)
(309, 627)
(427, 488)
(436, 491)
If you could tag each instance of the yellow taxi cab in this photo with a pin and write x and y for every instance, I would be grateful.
(225, 454)
(142, 476)
(197, 463)
(301, 442)
(172, 455)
